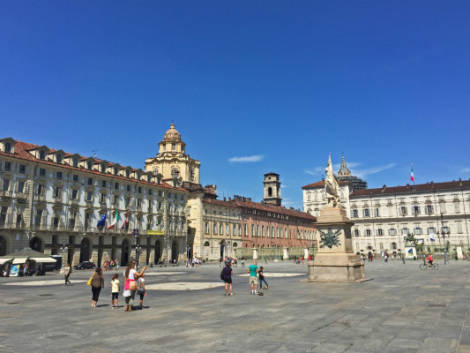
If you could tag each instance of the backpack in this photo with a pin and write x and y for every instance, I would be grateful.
(222, 274)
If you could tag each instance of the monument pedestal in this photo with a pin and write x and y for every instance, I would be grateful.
(335, 260)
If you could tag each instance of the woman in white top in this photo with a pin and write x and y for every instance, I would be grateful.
(130, 284)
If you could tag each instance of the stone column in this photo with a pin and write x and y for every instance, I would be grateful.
(305, 254)
(285, 254)
(255, 254)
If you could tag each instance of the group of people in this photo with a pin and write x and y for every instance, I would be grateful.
(194, 262)
(134, 283)
(257, 278)
(111, 264)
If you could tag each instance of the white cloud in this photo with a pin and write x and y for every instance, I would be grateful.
(355, 169)
(246, 159)
(465, 170)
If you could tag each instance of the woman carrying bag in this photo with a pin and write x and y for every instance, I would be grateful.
(130, 284)
(97, 282)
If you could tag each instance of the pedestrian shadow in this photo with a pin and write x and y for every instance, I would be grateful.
(102, 305)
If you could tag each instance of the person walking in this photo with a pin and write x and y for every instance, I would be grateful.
(115, 288)
(141, 290)
(253, 271)
(262, 278)
(403, 258)
(446, 257)
(130, 285)
(97, 282)
(227, 277)
(67, 273)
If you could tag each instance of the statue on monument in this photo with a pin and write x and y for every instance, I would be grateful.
(331, 186)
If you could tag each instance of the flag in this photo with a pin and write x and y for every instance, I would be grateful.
(410, 251)
(102, 221)
(115, 220)
(412, 175)
(126, 221)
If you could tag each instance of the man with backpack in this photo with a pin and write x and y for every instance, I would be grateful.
(226, 276)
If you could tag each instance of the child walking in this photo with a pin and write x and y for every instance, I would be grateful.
(262, 279)
(115, 288)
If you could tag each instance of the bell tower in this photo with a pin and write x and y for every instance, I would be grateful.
(272, 189)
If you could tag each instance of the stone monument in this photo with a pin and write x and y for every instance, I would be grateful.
(335, 260)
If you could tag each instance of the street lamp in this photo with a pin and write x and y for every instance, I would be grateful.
(135, 233)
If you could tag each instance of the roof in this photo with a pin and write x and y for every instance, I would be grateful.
(277, 209)
(321, 184)
(22, 152)
(411, 189)
(260, 206)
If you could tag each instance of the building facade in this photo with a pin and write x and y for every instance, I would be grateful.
(436, 214)
(85, 208)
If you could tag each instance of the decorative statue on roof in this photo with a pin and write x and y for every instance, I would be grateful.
(331, 186)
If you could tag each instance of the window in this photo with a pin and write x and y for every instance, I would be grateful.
(42, 155)
(59, 158)
(418, 231)
(404, 231)
(42, 172)
(392, 232)
(8, 147)
(207, 227)
(75, 178)
(429, 210)
(214, 229)
(7, 166)
(252, 230)
(127, 201)
(116, 186)
(38, 217)
(90, 181)
(89, 196)
(74, 194)
(115, 170)
(6, 184)
(368, 233)
(443, 207)
(21, 186)
(403, 211)
(89, 165)
(102, 198)
(356, 233)
(139, 189)
(459, 228)
(221, 228)
(355, 214)
(22, 169)
(19, 219)
(457, 207)
(416, 210)
(103, 183)
(128, 188)
(245, 229)
(40, 189)
(75, 162)
(380, 232)
(431, 230)
(3, 215)
(150, 192)
(227, 229)
(55, 222)
(58, 175)
(173, 146)
(57, 192)
(366, 212)
(376, 213)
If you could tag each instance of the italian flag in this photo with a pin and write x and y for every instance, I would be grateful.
(412, 175)
(125, 221)
(115, 220)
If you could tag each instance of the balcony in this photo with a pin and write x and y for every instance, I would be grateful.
(5, 193)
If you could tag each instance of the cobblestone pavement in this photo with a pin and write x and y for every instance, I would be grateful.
(402, 309)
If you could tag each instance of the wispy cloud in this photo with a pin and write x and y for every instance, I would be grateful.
(355, 167)
(247, 159)
(465, 170)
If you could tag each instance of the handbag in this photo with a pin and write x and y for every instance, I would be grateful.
(132, 285)
(89, 281)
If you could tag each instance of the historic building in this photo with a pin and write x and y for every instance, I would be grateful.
(437, 214)
(172, 162)
(84, 208)
(345, 176)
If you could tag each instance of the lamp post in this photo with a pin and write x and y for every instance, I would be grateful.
(135, 233)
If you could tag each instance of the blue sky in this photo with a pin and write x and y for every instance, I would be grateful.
(282, 83)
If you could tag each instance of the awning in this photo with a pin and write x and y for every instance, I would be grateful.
(19, 260)
(43, 259)
(2, 261)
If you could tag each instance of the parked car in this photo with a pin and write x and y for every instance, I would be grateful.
(85, 265)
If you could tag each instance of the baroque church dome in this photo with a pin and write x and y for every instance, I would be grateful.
(172, 134)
